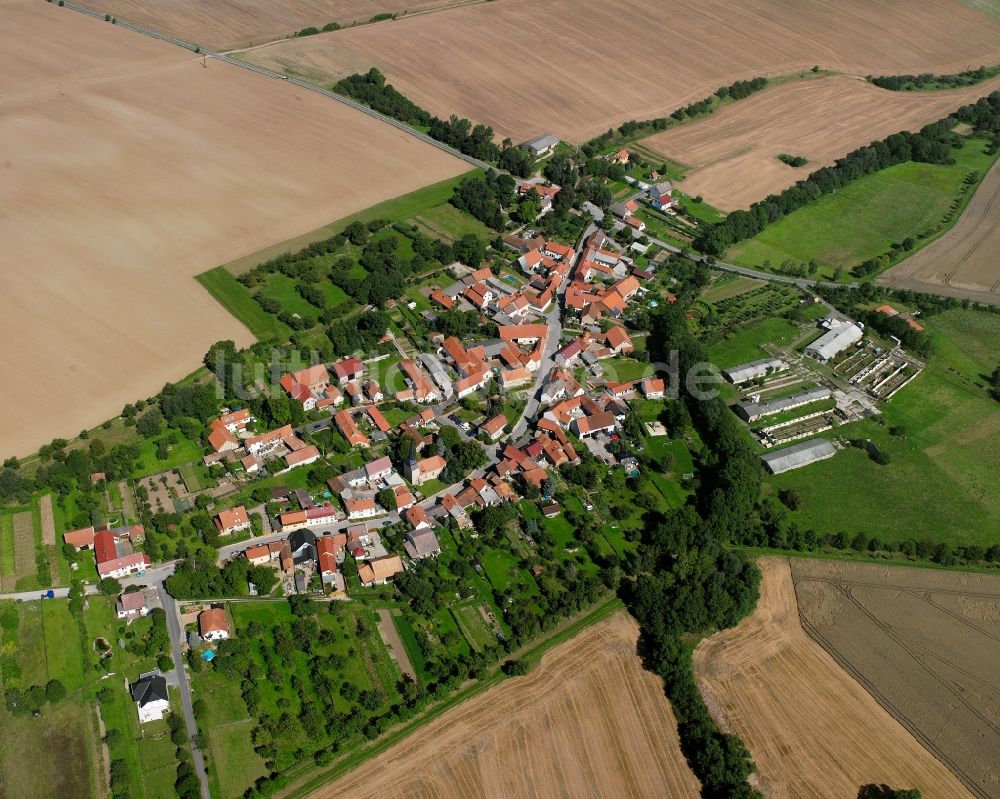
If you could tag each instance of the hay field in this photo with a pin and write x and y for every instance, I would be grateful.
(228, 24)
(128, 168)
(811, 728)
(578, 67)
(733, 153)
(925, 643)
(588, 722)
(963, 262)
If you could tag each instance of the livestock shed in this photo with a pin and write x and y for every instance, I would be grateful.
(799, 455)
(834, 341)
(753, 370)
(752, 411)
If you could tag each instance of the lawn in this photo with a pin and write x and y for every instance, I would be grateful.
(625, 370)
(941, 481)
(745, 345)
(184, 451)
(285, 290)
(864, 218)
(227, 725)
(236, 299)
(446, 222)
(63, 656)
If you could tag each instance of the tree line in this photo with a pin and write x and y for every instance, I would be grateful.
(932, 144)
(928, 80)
(688, 581)
(474, 140)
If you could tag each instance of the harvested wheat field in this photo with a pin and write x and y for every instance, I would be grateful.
(733, 153)
(578, 67)
(812, 730)
(128, 168)
(227, 24)
(925, 643)
(590, 722)
(963, 262)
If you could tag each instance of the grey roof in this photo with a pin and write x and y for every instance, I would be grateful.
(420, 543)
(150, 687)
(620, 210)
(543, 142)
(754, 369)
(755, 410)
(834, 341)
(798, 455)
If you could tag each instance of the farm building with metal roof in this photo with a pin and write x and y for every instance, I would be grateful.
(752, 411)
(754, 369)
(799, 455)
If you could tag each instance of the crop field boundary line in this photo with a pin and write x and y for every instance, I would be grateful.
(531, 652)
(302, 84)
(883, 701)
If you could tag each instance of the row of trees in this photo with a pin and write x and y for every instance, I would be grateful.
(928, 80)
(932, 144)
(372, 90)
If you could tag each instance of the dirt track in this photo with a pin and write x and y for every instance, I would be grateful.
(811, 729)
(925, 643)
(734, 151)
(128, 168)
(589, 723)
(578, 67)
(963, 262)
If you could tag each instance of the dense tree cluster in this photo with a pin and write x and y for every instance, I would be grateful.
(932, 144)
(198, 577)
(486, 197)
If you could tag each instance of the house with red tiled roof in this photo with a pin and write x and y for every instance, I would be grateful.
(232, 521)
(115, 557)
(379, 571)
(653, 388)
(213, 624)
(419, 472)
(523, 334)
(619, 341)
(495, 427)
(258, 555)
(266, 442)
(476, 380)
(379, 420)
(513, 378)
(362, 508)
(302, 457)
(442, 299)
(349, 429)
(80, 539)
(348, 369)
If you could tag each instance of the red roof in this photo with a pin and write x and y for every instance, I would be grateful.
(348, 367)
(104, 546)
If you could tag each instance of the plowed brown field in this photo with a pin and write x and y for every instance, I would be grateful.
(590, 722)
(127, 168)
(578, 67)
(925, 643)
(733, 153)
(812, 730)
(963, 262)
(225, 24)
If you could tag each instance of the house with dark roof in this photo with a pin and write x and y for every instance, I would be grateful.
(150, 695)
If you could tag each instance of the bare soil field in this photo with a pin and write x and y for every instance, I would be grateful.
(228, 24)
(578, 67)
(733, 153)
(925, 644)
(589, 722)
(128, 168)
(390, 637)
(812, 730)
(963, 262)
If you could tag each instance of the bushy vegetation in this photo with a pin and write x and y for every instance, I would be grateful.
(928, 80)
(933, 144)
(792, 160)
(486, 197)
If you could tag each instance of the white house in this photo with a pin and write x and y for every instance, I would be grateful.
(213, 624)
(150, 696)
